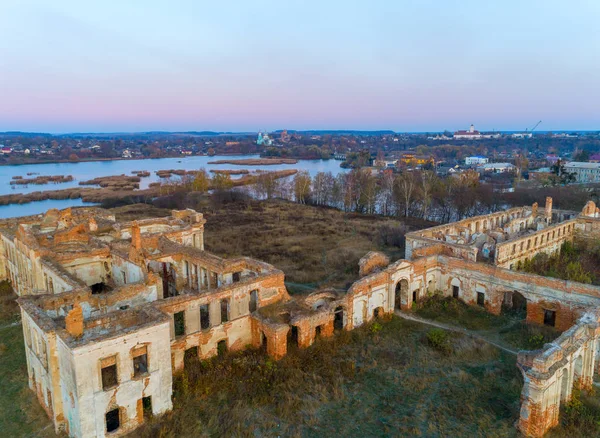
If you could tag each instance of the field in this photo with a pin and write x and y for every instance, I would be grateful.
(20, 413)
(577, 261)
(508, 329)
(315, 247)
(386, 379)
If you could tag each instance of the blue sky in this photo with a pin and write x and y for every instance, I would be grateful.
(246, 65)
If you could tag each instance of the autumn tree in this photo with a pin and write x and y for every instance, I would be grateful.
(323, 183)
(302, 182)
(221, 181)
(427, 184)
(201, 181)
(405, 190)
(266, 185)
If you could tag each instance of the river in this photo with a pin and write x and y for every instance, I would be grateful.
(92, 169)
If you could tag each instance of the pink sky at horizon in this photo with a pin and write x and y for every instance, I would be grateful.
(404, 66)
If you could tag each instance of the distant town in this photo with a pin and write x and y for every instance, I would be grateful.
(500, 158)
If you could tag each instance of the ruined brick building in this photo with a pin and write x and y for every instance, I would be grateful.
(112, 310)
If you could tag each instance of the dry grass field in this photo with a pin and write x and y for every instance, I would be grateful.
(384, 379)
(314, 246)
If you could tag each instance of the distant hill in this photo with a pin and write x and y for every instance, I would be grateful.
(337, 132)
(24, 134)
(138, 134)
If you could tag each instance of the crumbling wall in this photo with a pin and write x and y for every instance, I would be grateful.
(125, 272)
(372, 262)
(551, 374)
(547, 240)
(43, 368)
(93, 401)
(90, 269)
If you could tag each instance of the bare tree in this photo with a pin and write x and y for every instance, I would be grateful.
(302, 183)
(405, 187)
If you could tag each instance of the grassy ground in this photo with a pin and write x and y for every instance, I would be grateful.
(138, 211)
(580, 418)
(528, 336)
(453, 311)
(382, 380)
(577, 261)
(20, 413)
(508, 328)
(314, 246)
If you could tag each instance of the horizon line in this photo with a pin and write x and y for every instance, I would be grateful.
(209, 132)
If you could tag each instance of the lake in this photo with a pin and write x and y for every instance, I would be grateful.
(92, 169)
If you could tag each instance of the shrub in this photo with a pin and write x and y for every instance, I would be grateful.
(438, 339)
(580, 416)
(536, 341)
(375, 327)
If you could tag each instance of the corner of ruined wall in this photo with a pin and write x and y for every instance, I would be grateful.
(371, 262)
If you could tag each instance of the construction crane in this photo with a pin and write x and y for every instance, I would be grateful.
(532, 129)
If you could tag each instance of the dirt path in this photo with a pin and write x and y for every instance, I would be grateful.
(453, 329)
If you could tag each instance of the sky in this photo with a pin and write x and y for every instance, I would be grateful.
(405, 65)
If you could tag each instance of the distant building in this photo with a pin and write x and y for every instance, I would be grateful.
(565, 135)
(521, 135)
(540, 174)
(385, 163)
(552, 159)
(416, 160)
(284, 137)
(447, 170)
(6, 150)
(439, 137)
(497, 167)
(477, 160)
(473, 134)
(584, 172)
(264, 139)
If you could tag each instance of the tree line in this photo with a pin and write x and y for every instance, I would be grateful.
(416, 194)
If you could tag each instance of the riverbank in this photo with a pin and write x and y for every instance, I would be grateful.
(100, 160)
(41, 180)
(26, 162)
(120, 187)
(18, 199)
(256, 161)
(231, 172)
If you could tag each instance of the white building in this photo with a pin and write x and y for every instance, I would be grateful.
(497, 167)
(521, 135)
(473, 134)
(584, 172)
(477, 160)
